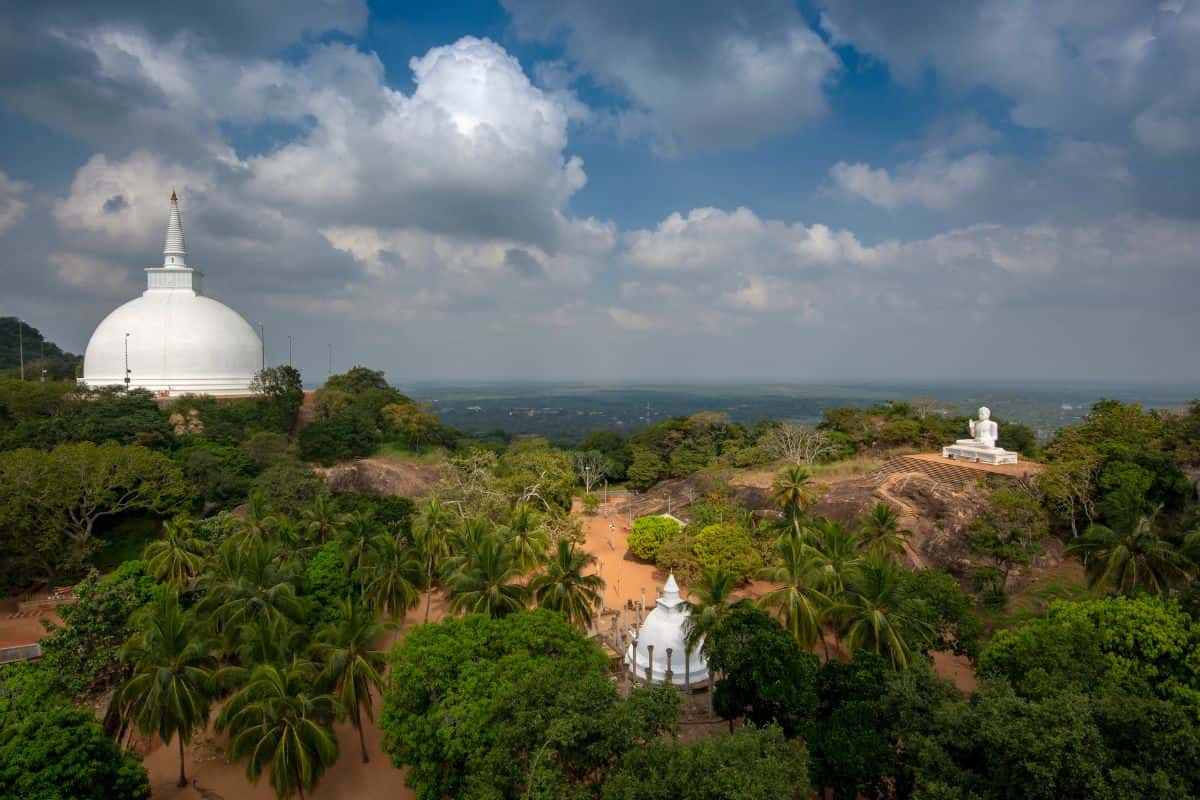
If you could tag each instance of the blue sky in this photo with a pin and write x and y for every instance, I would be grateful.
(694, 190)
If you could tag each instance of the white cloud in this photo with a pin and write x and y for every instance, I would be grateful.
(633, 320)
(92, 275)
(1080, 67)
(933, 181)
(13, 204)
(696, 76)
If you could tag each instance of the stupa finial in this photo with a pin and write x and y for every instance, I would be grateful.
(174, 252)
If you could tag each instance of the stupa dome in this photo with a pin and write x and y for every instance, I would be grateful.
(665, 627)
(178, 340)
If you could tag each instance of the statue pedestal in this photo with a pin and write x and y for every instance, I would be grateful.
(965, 451)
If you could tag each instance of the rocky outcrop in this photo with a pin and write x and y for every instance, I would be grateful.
(381, 476)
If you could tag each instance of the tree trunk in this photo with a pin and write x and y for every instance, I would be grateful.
(182, 776)
(362, 742)
(428, 590)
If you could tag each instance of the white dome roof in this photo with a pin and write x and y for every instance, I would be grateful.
(663, 629)
(179, 341)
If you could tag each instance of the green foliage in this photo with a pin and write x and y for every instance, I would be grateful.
(219, 474)
(328, 582)
(510, 688)
(339, 438)
(531, 471)
(39, 354)
(65, 413)
(750, 764)
(564, 588)
(1009, 532)
(646, 468)
(726, 547)
(1140, 646)
(614, 446)
(392, 512)
(415, 425)
(289, 486)
(265, 448)
(651, 533)
(82, 652)
(50, 750)
(935, 598)
(50, 503)
(764, 676)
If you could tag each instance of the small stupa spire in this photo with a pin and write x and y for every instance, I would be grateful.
(174, 252)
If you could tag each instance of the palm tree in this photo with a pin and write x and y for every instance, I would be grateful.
(712, 592)
(527, 538)
(875, 616)
(486, 583)
(563, 586)
(322, 521)
(356, 541)
(256, 526)
(1132, 558)
(465, 540)
(282, 724)
(793, 492)
(246, 583)
(433, 531)
(176, 558)
(836, 552)
(353, 667)
(269, 638)
(879, 532)
(394, 577)
(801, 604)
(171, 690)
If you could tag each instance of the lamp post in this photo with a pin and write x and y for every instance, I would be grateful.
(21, 346)
(127, 360)
(289, 351)
(330, 359)
(262, 340)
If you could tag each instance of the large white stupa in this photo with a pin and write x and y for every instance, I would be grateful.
(173, 340)
(665, 628)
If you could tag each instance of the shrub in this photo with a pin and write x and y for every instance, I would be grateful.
(265, 448)
(651, 533)
(338, 438)
(727, 547)
(394, 512)
(289, 487)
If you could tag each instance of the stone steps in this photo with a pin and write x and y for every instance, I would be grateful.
(948, 473)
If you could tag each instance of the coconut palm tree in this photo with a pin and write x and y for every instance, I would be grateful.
(879, 532)
(563, 586)
(322, 521)
(433, 538)
(801, 604)
(171, 690)
(245, 583)
(176, 558)
(527, 538)
(486, 583)
(794, 493)
(394, 577)
(282, 724)
(268, 639)
(1131, 558)
(255, 526)
(355, 541)
(465, 540)
(712, 595)
(836, 552)
(875, 616)
(352, 665)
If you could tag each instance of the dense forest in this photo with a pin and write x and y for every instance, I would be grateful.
(21, 340)
(219, 582)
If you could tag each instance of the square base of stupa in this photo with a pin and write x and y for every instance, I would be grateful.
(979, 454)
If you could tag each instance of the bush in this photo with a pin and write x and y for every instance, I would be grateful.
(220, 474)
(328, 583)
(649, 534)
(394, 512)
(338, 438)
(289, 487)
(727, 547)
(265, 448)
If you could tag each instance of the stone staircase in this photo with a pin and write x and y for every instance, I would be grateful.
(947, 473)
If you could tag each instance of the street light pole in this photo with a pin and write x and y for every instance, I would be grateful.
(331, 359)
(127, 360)
(21, 347)
(262, 339)
(289, 351)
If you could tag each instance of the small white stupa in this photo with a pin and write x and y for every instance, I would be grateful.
(663, 630)
(173, 339)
